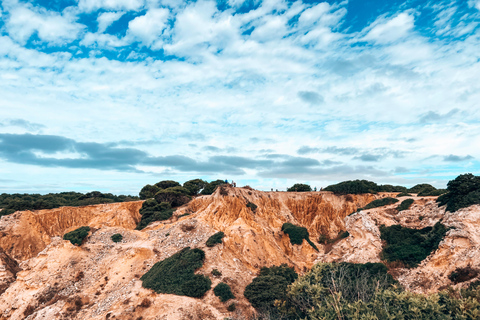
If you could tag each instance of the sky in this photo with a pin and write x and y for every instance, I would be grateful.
(112, 95)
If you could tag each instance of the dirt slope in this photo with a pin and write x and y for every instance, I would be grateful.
(100, 279)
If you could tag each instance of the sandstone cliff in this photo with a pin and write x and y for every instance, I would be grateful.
(45, 277)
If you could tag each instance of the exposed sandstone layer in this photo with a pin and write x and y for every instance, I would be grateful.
(100, 279)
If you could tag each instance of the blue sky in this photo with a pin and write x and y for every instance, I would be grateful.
(111, 95)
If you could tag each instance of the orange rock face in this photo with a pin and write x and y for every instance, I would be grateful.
(45, 277)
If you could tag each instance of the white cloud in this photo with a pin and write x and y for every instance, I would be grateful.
(128, 5)
(474, 3)
(150, 26)
(102, 40)
(24, 20)
(106, 19)
(386, 31)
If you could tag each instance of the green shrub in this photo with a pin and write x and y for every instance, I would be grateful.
(270, 285)
(463, 274)
(216, 273)
(10, 203)
(354, 187)
(223, 291)
(252, 206)
(117, 237)
(297, 234)
(165, 184)
(410, 246)
(214, 239)
(76, 236)
(148, 191)
(176, 275)
(175, 196)
(194, 186)
(403, 194)
(379, 203)
(210, 187)
(390, 188)
(299, 187)
(231, 307)
(405, 205)
(153, 211)
(463, 192)
(423, 187)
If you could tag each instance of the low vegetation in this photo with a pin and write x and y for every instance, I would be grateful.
(19, 202)
(211, 187)
(153, 211)
(215, 239)
(362, 186)
(403, 194)
(463, 274)
(463, 192)
(299, 187)
(252, 206)
(117, 237)
(405, 205)
(410, 246)
(270, 285)
(297, 234)
(175, 275)
(423, 187)
(359, 292)
(77, 236)
(223, 291)
(379, 203)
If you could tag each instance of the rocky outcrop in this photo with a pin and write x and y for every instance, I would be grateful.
(48, 278)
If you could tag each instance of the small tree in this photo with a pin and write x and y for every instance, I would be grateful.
(194, 186)
(223, 291)
(210, 187)
(167, 184)
(148, 191)
(76, 236)
(176, 196)
(300, 187)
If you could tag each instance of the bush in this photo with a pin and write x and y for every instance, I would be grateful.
(216, 273)
(379, 203)
(10, 203)
(148, 191)
(223, 291)
(463, 192)
(176, 196)
(270, 285)
(463, 274)
(231, 307)
(422, 187)
(390, 188)
(252, 206)
(76, 236)
(165, 184)
(299, 187)
(297, 234)
(403, 194)
(405, 205)
(175, 275)
(216, 238)
(194, 186)
(210, 187)
(354, 187)
(410, 246)
(153, 211)
(117, 237)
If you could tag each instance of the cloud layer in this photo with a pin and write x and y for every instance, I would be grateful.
(268, 92)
